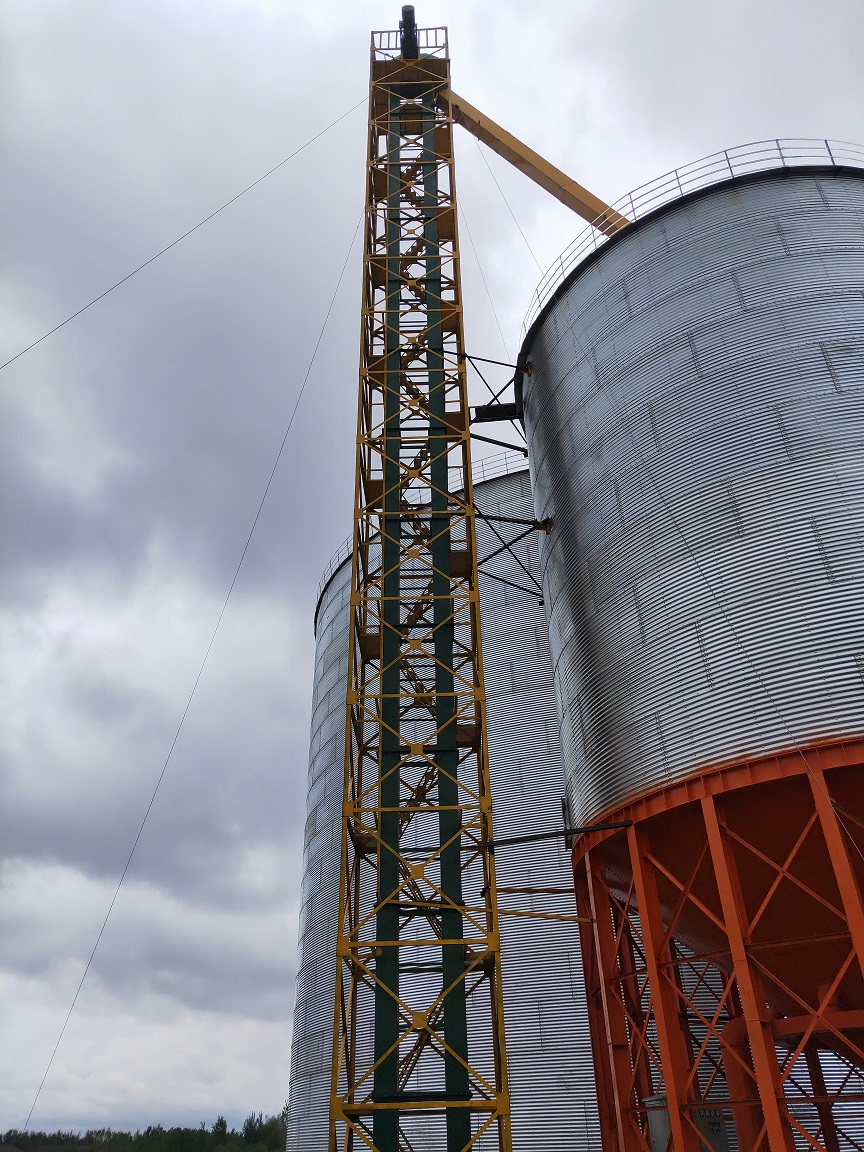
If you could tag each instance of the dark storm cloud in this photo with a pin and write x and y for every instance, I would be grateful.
(187, 385)
(48, 525)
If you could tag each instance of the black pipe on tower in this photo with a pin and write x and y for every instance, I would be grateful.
(408, 33)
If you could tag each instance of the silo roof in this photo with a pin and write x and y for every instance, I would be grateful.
(743, 162)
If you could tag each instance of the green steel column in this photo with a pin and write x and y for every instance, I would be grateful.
(386, 1076)
(453, 959)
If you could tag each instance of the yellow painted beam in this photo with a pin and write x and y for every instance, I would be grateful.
(577, 198)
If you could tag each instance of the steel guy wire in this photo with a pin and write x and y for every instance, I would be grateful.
(189, 232)
(483, 278)
(507, 202)
(200, 669)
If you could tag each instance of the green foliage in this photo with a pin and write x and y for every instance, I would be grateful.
(270, 1132)
(259, 1133)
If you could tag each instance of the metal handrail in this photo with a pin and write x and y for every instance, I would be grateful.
(758, 156)
(336, 560)
(429, 40)
(501, 464)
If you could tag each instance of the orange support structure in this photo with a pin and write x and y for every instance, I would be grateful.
(725, 958)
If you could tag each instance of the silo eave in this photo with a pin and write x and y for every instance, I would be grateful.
(622, 236)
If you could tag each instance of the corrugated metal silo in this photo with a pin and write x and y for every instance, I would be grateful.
(695, 416)
(551, 1078)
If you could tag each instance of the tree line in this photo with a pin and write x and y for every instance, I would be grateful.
(259, 1133)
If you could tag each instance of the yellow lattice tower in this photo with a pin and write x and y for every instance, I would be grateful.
(418, 943)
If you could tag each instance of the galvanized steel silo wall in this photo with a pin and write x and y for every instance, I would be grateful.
(551, 1077)
(316, 975)
(695, 415)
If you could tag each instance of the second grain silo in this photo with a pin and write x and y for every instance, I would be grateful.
(694, 405)
(545, 1015)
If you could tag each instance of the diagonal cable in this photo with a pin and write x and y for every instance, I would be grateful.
(516, 427)
(174, 243)
(200, 671)
(509, 209)
(483, 278)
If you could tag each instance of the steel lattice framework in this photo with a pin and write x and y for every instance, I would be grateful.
(417, 887)
(724, 958)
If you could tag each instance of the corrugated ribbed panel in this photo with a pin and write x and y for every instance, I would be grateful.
(695, 416)
(551, 1077)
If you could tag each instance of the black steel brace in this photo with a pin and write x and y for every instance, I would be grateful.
(491, 845)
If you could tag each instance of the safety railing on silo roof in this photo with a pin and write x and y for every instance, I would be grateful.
(499, 464)
(759, 156)
(336, 561)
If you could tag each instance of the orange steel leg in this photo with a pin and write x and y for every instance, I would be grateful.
(742, 1085)
(617, 1033)
(671, 1040)
(837, 841)
(780, 1138)
(633, 993)
(606, 1082)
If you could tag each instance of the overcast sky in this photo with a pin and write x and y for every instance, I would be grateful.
(138, 439)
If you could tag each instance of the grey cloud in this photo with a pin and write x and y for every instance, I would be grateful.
(138, 439)
(222, 795)
(157, 952)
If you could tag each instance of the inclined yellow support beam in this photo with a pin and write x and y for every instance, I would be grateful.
(577, 198)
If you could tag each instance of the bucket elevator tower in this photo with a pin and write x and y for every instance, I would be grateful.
(417, 883)
(417, 889)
